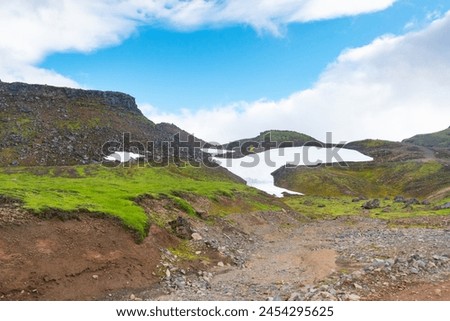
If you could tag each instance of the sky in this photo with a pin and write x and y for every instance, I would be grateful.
(228, 69)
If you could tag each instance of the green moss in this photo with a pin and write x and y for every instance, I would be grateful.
(113, 190)
(7, 155)
(418, 179)
(317, 207)
(374, 143)
(185, 252)
(184, 205)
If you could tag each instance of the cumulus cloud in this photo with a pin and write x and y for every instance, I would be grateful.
(32, 29)
(393, 88)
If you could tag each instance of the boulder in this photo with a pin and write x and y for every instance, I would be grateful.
(375, 203)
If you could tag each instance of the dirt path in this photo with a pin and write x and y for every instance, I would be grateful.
(344, 259)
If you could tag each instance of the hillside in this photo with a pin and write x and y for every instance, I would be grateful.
(373, 179)
(276, 138)
(44, 125)
(439, 139)
(399, 168)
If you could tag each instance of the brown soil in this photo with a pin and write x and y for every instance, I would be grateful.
(82, 259)
(422, 292)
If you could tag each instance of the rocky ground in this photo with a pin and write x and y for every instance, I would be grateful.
(253, 256)
(284, 258)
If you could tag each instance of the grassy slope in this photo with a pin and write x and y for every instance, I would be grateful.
(113, 190)
(319, 207)
(439, 139)
(330, 190)
(279, 136)
(284, 136)
(415, 179)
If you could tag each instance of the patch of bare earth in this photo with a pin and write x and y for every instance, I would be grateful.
(82, 259)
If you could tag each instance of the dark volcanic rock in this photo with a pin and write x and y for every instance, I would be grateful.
(181, 227)
(45, 125)
(445, 206)
(375, 203)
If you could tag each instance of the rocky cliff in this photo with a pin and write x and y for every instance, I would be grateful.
(45, 125)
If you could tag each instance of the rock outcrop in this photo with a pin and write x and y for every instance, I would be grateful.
(46, 125)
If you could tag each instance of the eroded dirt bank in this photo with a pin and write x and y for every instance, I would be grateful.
(81, 259)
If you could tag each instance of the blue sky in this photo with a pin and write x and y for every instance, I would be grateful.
(308, 65)
(213, 66)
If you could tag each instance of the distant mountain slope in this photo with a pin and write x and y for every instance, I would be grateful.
(45, 125)
(387, 151)
(279, 138)
(418, 167)
(439, 139)
(371, 179)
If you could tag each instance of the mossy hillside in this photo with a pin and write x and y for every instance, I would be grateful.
(285, 136)
(439, 139)
(413, 179)
(317, 207)
(113, 190)
(276, 136)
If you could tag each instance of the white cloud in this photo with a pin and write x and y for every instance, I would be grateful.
(30, 30)
(393, 88)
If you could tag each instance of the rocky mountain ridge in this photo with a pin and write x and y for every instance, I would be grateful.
(46, 125)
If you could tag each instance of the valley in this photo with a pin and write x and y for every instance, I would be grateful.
(176, 226)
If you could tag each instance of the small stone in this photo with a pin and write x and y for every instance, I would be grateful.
(132, 297)
(95, 277)
(414, 270)
(421, 264)
(198, 252)
(353, 297)
(295, 297)
(438, 292)
(168, 273)
(220, 264)
(180, 284)
(357, 286)
(196, 237)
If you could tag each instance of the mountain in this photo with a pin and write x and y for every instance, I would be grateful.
(45, 125)
(416, 167)
(439, 139)
(424, 146)
(276, 138)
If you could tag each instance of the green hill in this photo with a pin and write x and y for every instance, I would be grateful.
(68, 190)
(278, 138)
(439, 139)
(413, 179)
